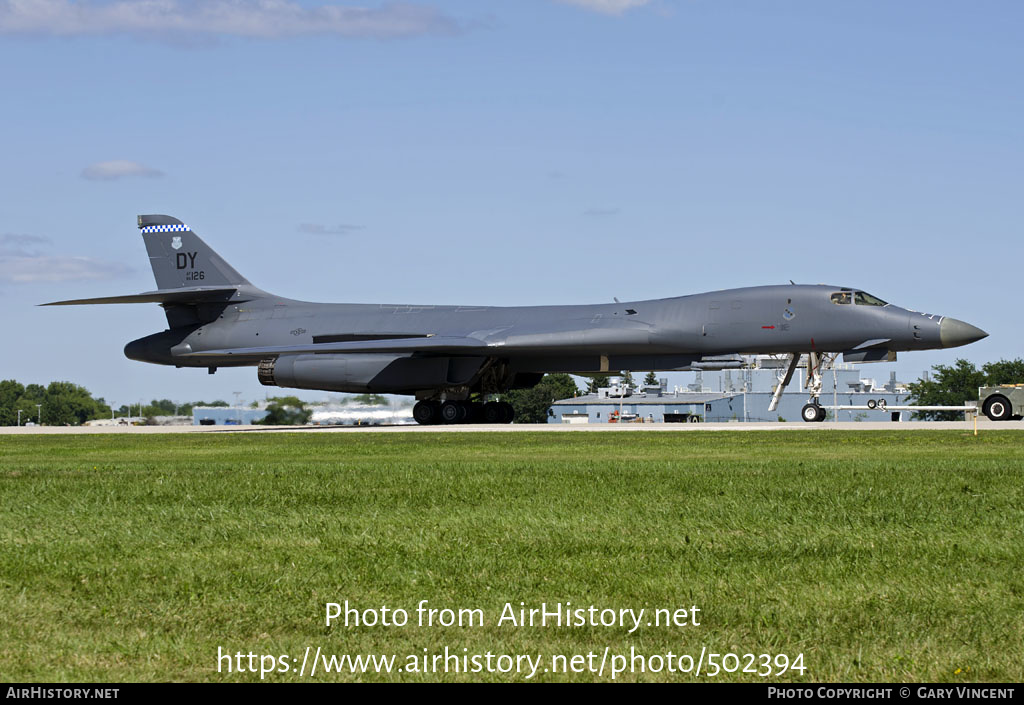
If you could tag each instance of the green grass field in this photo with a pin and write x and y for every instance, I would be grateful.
(878, 555)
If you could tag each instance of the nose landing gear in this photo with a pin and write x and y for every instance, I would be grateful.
(812, 412)
(816, 362)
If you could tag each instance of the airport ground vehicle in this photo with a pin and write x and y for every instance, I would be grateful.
(1002, 403)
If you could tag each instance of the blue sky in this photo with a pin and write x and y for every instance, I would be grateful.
(504, 153)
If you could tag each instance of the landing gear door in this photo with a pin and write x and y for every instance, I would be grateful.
(709, 327)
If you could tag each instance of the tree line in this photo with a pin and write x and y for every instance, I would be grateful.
(165, 407)
(56, 404)
(70, 404)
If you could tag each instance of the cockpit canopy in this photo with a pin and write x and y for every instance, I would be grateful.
(860, 298)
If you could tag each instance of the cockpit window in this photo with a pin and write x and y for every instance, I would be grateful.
(862, 298)
(842, 297)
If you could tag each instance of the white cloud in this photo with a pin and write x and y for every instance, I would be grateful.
(319, 229)
(21, 262)
(118, 169)
(607, 7)
(20, 244)
(265, 19)
(601, 212)
(42, 268)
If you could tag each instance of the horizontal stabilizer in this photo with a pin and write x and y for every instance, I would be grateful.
(397, 345)
(184, 295)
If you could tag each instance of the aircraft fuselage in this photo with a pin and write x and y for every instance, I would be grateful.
(455, 354)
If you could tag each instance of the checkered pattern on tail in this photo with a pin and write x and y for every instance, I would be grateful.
(165, 229)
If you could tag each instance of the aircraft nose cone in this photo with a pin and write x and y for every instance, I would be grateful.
(954, 333)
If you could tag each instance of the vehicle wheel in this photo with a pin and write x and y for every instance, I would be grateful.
(507, 412)
(812, 413)
(426, 413)
(492, 413)
(452, 412)
(997, 408)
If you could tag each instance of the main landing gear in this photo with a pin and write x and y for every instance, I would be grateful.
(430, 413)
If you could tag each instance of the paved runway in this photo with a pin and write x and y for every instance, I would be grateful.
(983, 425)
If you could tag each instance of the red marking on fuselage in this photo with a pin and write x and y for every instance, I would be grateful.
(769, 327)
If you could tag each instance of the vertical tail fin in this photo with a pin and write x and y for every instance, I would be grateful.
(180, 258)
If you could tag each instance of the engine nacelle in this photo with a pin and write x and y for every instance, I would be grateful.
(365, 372)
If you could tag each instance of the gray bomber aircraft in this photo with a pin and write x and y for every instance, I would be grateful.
(452, 357)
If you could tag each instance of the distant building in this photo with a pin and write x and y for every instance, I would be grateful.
(744, 396)
(225, 416)
(674, 407)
